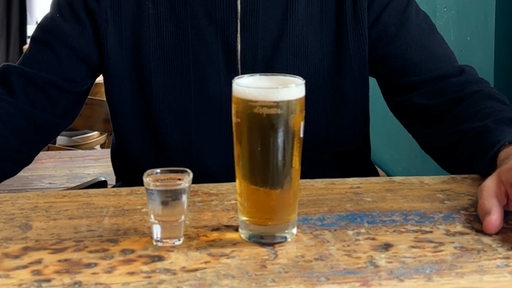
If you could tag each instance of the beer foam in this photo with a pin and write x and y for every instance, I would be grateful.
(269, 87)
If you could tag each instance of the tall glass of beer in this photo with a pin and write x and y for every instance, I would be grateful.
(268, 123)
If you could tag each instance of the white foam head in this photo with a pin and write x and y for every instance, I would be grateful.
(269, 87)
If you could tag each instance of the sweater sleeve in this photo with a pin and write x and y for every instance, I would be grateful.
(454, 115)
(43, 93)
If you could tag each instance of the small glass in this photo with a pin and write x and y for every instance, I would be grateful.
(167, 196)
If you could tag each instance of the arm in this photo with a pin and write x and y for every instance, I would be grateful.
(41, 95)
(453, 114)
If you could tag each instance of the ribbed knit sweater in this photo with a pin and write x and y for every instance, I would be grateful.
(168, 67)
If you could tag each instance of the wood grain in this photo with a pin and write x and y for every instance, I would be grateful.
(375, 232)
(56, 170)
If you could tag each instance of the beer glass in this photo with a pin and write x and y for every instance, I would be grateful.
(268, 123)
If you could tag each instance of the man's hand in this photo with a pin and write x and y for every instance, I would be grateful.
(495, 194)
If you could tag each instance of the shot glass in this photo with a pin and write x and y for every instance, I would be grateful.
(167, 196)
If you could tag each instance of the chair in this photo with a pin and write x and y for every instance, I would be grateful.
(91, 129)
(98, 89)
(95, 116)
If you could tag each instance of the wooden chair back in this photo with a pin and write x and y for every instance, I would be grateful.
(94, 116)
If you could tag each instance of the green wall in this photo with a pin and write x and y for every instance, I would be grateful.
(503, 49)
(469, 28)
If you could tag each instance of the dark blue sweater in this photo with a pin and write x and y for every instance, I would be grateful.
(168, 67)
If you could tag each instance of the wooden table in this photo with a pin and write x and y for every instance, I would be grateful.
(56, 170)
(375, 232)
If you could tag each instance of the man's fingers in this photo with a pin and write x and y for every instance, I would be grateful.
(492, 223)
(491, 201)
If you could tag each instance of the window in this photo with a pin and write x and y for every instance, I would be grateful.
(36, 10)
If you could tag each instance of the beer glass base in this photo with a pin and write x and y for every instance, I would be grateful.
(267, 235)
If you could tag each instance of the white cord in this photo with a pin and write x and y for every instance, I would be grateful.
(238, 37)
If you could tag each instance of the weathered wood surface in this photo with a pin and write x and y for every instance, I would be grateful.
(55, 170)
(376, 232)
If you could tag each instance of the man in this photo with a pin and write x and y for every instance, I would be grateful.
(168, 66)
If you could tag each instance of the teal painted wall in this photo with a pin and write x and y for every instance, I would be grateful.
(503, 49)
(469, 28)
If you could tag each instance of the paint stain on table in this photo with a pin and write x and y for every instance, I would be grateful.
(340, 220)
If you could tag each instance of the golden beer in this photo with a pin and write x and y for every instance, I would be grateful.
(268, 120)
